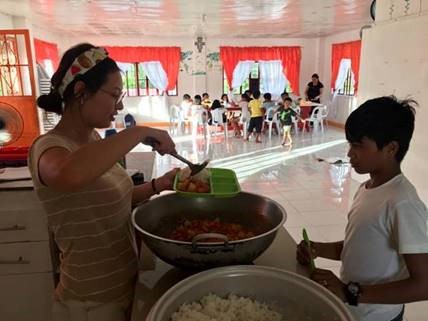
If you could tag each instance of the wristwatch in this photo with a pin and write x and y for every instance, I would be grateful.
(352, 293)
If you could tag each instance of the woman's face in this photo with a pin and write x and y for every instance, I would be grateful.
(314, 80)
(100, 109)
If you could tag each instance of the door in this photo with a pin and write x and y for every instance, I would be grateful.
(17, 85)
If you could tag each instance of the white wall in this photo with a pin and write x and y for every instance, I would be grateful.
(6, 21)
(394, 60)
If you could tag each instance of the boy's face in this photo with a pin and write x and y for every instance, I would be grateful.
(365, 157)
(287, 104)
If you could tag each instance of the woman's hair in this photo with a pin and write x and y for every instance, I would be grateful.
(216, 104)
(315, 76)
(94, 78)
(225, 95)
(383, 120)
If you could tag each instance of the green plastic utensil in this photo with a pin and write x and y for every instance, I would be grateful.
(223, 183)
(308, 243)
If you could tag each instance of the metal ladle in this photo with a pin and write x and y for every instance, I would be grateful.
(194, 168)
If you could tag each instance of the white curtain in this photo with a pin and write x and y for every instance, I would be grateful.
(272, 77)
(241, 72)
(344, 67)
(156, 74)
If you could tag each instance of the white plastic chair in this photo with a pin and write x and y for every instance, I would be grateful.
(217, 120)
(245, 118)
(199, 120)
(323, 116)
(316, 119)
(176, 118)
(295, 120)
(271, 118)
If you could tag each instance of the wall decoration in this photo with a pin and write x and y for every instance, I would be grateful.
(186, 61)
(199, 62)
(213, 61)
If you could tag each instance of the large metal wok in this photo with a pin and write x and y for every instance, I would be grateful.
(156, 219)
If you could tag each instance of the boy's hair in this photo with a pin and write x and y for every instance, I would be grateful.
(197, 100)
(288, 99)
(205, 95)
(245, 97)
(267, 96)
(256, 94)
(186, 96)
(383, 120)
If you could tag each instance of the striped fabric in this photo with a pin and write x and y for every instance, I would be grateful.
(92, 229)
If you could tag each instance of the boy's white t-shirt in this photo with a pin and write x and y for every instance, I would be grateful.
(383, 224)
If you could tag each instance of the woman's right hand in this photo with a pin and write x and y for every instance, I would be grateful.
(302, 252)
(158, 139)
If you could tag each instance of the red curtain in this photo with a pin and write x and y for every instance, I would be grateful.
(290, 57)
(169, 57)
(46, 51)
(350, 50)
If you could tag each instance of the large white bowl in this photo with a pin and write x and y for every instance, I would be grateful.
(296, 297)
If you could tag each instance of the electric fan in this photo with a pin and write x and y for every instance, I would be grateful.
(11, 124)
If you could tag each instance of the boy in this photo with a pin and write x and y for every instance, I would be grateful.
(284, 115)
(384, 254)
(256, 121)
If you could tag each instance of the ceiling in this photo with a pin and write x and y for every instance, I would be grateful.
(184, 18)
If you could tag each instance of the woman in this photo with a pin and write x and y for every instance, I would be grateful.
(87, 196)
(314, 89)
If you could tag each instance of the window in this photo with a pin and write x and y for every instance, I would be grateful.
(14, 66)
(253, 78)
(136, 83)
(348, 87)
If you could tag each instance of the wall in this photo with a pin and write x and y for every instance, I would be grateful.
(341, 106)
(6, 21)
(199, 74)
(394, 60)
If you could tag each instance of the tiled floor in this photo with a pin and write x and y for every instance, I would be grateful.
(315, 194)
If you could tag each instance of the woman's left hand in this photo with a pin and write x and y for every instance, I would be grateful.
(166, 181)
(330, 281)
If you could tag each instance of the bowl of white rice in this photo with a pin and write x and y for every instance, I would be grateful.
(248, 293)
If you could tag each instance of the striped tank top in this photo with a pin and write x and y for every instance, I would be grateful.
(92, 229)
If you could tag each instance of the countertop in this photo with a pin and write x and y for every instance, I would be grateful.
(157, 276)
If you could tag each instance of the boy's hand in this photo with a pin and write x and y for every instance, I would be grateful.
(302, 254)
(330, 281)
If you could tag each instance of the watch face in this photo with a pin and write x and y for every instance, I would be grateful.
(354, 288)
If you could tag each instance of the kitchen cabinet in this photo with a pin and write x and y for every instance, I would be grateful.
(26, 271)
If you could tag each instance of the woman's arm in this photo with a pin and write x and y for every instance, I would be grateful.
(69, 171)
(145, 191)
(319, 96)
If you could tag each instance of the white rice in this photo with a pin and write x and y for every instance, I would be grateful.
(234, 308)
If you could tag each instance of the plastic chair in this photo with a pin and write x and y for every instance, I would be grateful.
(295, 120)
(199, 120)
(315, 118)
(323, 116)
(218, 120)
(271, 118)
(176, 119)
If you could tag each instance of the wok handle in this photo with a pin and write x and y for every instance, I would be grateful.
(204, 236)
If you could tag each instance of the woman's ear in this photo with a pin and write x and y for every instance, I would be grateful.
(79, 89)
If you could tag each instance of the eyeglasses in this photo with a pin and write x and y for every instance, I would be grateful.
(117, 98)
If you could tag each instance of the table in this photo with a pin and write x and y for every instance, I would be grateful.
(157, 276)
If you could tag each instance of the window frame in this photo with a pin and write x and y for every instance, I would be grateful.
(347, 89)
(146, 91)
